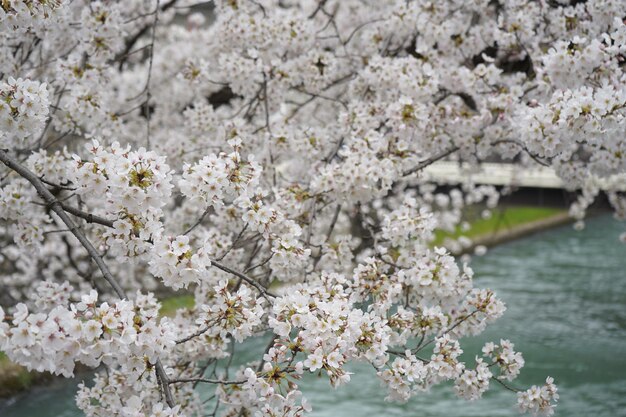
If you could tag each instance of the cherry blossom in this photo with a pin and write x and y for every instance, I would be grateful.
(269, 159)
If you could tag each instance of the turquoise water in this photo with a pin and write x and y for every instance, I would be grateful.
(566, 311)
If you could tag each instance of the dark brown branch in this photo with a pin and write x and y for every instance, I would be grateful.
(206, 381)
(90, 218)
(535, 158)
(510, 388)
(194, 335)
(232, 245)
(429, 161)
(197, 223)
(130, 43)
(148, 111)
(244, 277)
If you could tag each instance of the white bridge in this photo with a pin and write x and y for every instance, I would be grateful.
(501, 174)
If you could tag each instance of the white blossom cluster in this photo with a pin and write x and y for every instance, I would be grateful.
(135, 400)
(329, 330)
(508, 361)
(539, 400)
(24, 106)
(26, 227)
(232, 314)
(131, 186)
(214, 178)
(473, 382)
(177, 264)
(127, 334)
(20, 16)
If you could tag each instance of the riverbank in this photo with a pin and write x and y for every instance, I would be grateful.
(501, 225)
(15, 378)
(523, 230)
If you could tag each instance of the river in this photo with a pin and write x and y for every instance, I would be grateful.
(566, 311)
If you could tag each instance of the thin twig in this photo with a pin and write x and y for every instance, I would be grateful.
(148, 93)
(244, 277)
(196, 334)
(197, 223)
(429, 161)
(232, 245)
(536, 158)
(510, 388)
(445, 332)
(206, 381)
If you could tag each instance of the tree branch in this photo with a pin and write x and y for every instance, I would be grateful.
(244, 277)
(196, 334)
(130, 43)
(90, 218)
(205, 380)
(429, 161)
(56, 206)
